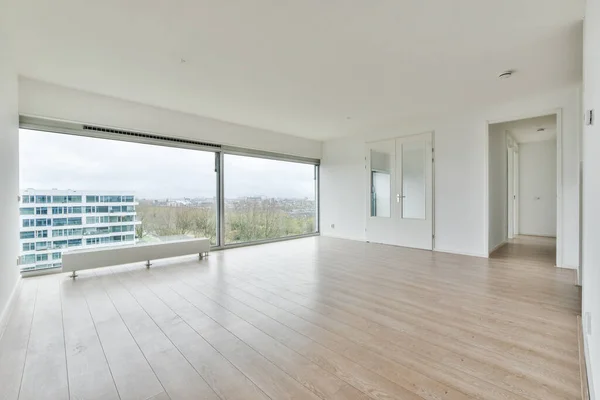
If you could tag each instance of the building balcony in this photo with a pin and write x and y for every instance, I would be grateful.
(121, 203)
(118, 213)
(102, 224)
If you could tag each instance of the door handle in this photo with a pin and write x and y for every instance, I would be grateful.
(398, 197)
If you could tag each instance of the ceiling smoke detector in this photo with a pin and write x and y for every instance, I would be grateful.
(541, 129)
(506, 74)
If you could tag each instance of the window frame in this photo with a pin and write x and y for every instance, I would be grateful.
(99, 132)
(275, 157)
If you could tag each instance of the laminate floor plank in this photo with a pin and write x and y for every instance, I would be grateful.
(45, 374)
(14, 341)
(133, 376)
(305, 360)
(89, 374)
(417, 301)
(373, 383)
(302, 369)
(173, 370)
(223, 377)
(424, 342)
(476, 387)
(309, 297)
(276, 383)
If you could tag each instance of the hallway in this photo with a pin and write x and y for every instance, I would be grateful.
(529, 251)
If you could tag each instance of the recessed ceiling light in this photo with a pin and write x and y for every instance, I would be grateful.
(506, 74)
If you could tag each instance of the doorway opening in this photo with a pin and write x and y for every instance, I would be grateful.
(523, 188)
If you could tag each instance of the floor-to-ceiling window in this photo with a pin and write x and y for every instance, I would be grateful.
(80, 191)
(268, 199)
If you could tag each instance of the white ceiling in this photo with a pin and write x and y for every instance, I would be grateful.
(526, 130)
(311, 68)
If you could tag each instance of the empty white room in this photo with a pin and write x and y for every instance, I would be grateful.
(267, 200)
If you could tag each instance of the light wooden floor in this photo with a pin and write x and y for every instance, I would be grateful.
(526, 250)
(306, 319)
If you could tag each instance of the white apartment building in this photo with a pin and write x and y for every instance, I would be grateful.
(56, 221)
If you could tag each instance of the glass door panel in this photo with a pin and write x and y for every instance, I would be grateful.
(381, 184)
(414, 184)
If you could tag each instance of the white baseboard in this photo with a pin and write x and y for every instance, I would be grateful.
(461, 253)
(480, 255)
(588, 364)
(4, 317)
(333, 235)
(498, 246)
(567, 267)
(553, 236)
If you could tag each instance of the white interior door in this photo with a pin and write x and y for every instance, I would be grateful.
(381, 176)
(414, 191)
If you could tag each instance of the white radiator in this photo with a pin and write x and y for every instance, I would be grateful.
(105, 257)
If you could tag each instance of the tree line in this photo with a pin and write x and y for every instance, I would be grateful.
(246, 221)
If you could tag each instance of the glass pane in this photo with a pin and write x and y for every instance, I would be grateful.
(413, 180)
(381, 184)
(145, 194)
(268, 199)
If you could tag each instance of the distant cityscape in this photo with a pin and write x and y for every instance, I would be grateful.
(54, 221)
(292, 206)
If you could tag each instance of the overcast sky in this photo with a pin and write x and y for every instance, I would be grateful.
(60, 161)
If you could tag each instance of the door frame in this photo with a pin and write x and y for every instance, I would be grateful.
(510, 190)
(559, 184)
(512, 150)
(368, 180)
(516, 191)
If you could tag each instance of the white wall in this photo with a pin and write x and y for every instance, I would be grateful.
(498, 186)
(9, 174)
(537, 188)
(591, 191)
(343, 181)
(40, 99)
(461, 191)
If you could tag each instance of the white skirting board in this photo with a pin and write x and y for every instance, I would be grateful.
(458, 253)
(334, 236)
(435, 249)
(588, 365)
